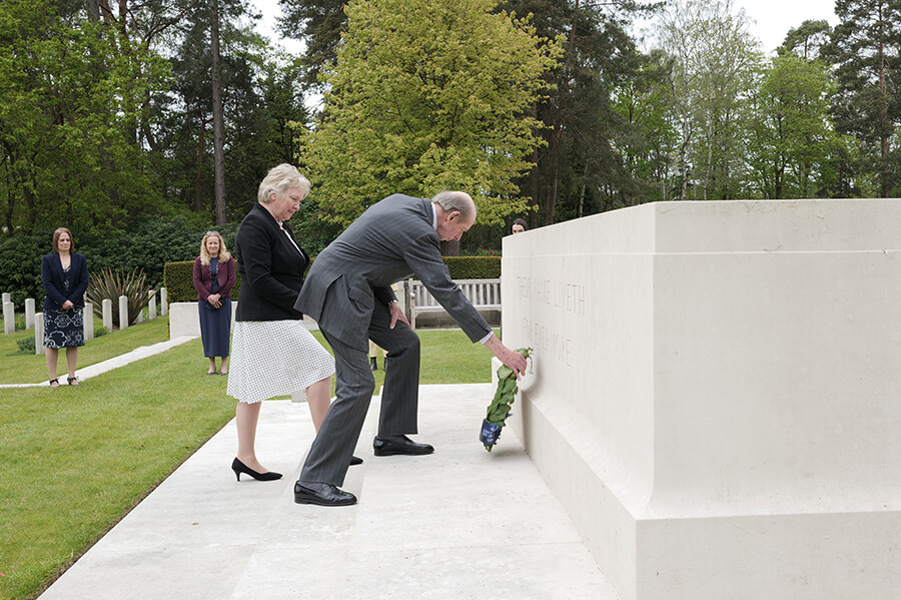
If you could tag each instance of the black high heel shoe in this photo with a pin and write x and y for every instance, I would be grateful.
(238, 467)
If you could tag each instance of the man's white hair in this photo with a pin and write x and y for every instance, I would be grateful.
(459, 201)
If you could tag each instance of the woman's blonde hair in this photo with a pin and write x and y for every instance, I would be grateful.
(280, 179)
(205, 254)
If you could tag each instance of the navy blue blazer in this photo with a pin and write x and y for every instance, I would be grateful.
(52, 275)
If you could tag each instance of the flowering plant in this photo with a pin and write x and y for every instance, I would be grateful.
(499, 409)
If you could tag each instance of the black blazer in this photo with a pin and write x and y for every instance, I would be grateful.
(52, 275)
(271, 269)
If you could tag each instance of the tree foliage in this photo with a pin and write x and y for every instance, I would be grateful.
(428, 95)
(69, 106)
(866, 51)
(793, 144)
(716, 64)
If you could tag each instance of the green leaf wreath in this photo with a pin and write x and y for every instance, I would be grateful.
(499, 408)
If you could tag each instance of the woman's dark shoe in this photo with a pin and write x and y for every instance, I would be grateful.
(56, 381)
(373, 364)
(72, 380)
(355, 460)
(212, 373)
(238, 467)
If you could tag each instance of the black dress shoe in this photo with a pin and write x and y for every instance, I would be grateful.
(238, 467)
(323, 494)
(388, 445)
(373, 364)
(355, 460)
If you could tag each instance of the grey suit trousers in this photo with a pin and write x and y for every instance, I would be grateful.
(332, 449)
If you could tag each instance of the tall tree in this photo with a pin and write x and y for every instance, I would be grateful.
(806, 40)
(581, 168)
(319, 24)
(70, 92)
(428, 95)
(218, 124)
(646, 103)
(866, 51)
(793, 142)
(716, 62)
(260, 98)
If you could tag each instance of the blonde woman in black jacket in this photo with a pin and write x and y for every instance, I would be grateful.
(273, 354)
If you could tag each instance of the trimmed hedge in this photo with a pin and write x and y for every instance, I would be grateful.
(178, 277)
(149, 244)
(473, 267)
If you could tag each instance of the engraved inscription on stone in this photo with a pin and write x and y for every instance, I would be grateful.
(567, 296)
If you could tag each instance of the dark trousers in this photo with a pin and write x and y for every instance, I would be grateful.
(330, 454)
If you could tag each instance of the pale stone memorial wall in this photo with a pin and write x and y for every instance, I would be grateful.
(715, 396)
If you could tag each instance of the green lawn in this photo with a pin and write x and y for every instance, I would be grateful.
(19, 367)
(74, 460)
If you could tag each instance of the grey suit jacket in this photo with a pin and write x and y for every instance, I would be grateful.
(392, 240)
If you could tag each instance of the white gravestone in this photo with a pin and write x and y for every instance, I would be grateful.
(106, 307)
(715, 396)
(29, 313)
(123, 312)
(88, 314)
(39, 333)
(164, 303)
(151, 310)
(9, 318)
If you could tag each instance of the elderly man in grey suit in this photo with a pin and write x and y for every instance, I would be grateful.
(348, 292)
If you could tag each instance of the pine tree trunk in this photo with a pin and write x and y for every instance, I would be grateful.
(218, 128)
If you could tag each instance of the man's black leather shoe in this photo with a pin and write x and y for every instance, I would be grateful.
(399, 444)
(323, 494)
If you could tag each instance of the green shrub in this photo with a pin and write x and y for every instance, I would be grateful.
(473, 267)
(20, 266)
(178, 277)
(148, 243)
(26, 345)
(112, 284)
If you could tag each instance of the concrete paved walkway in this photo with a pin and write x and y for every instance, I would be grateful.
(112, 363)
(458, 524)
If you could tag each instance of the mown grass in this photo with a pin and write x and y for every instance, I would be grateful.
(75, 460)
(22, 367)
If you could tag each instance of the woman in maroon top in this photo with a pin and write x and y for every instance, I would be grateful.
(214, 277)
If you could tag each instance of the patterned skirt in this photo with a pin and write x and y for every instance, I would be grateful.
(63, 328)
(275, 358)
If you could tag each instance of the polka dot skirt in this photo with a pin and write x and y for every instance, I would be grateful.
(275, 358)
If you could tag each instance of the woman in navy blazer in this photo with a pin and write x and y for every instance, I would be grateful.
(214, 277)
(65, 277)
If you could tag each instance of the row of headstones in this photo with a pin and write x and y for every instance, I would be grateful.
(36, 320)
